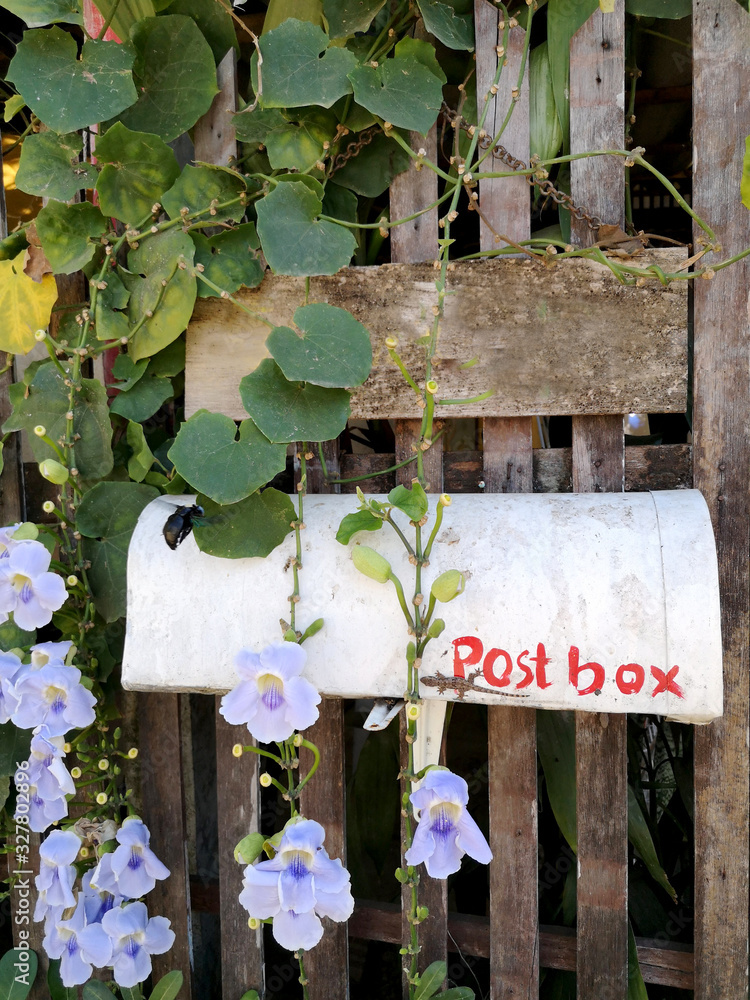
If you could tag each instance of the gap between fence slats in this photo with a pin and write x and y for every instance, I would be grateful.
(721, 121)
(597, 105)
(508, 468)
(412, 243)
(324, 799)
(161, 779)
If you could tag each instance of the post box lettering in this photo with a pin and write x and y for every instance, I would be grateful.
(502, 669)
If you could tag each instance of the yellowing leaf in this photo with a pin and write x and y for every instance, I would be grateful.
(25, 306)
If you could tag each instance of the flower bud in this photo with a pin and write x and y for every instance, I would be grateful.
(132, 753)
(445, 500)
(48, 506)
(103, 764)
(265, 779)
(371, 563)
(75, 772)
(412, 712)
(253, 923)
(40, 430)
(101, 799)
(448, 585)
(237, 750)
(249, 848)
(436, 628)
(72, 580)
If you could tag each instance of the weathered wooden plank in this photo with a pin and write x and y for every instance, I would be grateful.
(239, 814)
(504, 203)
(721, 66)
(163, 810)
(665, 966)
(514, 942)
(324, 799)
(413, 242)
(597, 104)
(507, 468)
(327, 965)
(566, 338)
(601, 773)
(214, 135)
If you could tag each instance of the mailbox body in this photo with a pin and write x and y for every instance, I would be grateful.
(593, 602)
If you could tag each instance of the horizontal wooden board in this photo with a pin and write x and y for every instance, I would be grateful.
(560, 339)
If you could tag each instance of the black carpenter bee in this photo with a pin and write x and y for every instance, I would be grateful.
(180, 523)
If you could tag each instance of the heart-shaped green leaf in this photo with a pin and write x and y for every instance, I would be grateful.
(454, 29)
(50, 167)
(156, 260)
(209, 455)
(292, 411)
(299, 68)
(144, 399)
(298, 142)
(140, 462)
(412, 502)
(205, 188)
(294, 240)
(345, 17)
(371, 171)
(10, 987)
(107, 515)
(401, 91)
(137, 168)
(360, 520)
(251, 528)
(37, 13)
(72, 93)
(228, 260)
(46, 401)
(66, 233)
(216, 26)
(254, 126)
(334, 349)
(175, 75)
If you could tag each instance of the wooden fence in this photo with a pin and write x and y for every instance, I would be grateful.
(511, 938)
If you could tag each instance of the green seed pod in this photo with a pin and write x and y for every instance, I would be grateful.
(436, 628)
(53, 471)
(371, 563)
(449, 585)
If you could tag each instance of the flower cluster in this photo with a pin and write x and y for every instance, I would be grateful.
(298, 886)
(27, 590)
(103, 926)
(272, 700)
(47, 696)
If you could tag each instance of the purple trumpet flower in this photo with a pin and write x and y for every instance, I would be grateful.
(298, 887)
(27, 589)
(134, 864)
(46, 769)
(56, 872)
(53, 696)
(10, 668)
(135, 939)
(446, 831)
(272, 700)
(79, 946)
(98, 900)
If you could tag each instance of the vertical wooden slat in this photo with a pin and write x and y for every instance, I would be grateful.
(417, 241)
(163, 809)
(507, 467)
(721, 121)
(504, 202)
(237, 793)
(239, 814)
(597, 101)
(324, 799)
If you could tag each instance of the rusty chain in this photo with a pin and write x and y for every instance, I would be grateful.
(365, 138)
(546, 187)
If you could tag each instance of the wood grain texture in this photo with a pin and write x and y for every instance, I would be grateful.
(504, 202)
(508, 468)
(163, 811)
(239, 814)
(327, 965)
(597, 118)
(324, 799)
(721, 110)
(214, 135)
(666, 966)
(597, 102)
(411, 243)
(514, 942)
(536, 332)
